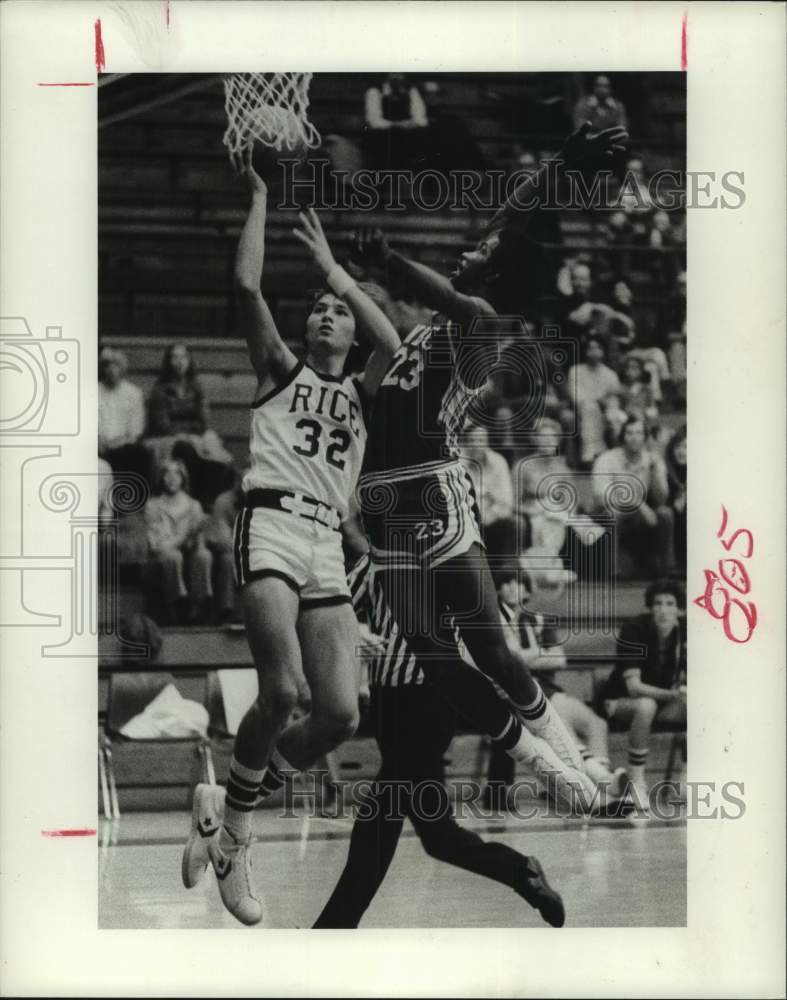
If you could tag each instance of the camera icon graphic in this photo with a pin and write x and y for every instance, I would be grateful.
(39, 381)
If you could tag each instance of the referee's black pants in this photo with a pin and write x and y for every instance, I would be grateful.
(413, 727)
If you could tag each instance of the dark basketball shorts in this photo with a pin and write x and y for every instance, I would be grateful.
(423, 516)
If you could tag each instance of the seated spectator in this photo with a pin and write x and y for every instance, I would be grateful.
(538, 646)
(395, 123)
(600, 108)
(624, 331)
(676, 477)
(121, 417)
(490, 474)
(544, 465)
(639, 391)
(590, 383)
(634, 197)
(618, 236)
(175, 526)
(220, 540)
(673, 321)
(178, 426)
(630, 485)
(666, 241)
(584, 314)
(641, 692)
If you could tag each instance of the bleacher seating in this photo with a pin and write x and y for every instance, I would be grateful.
(170, 211)
(170, 214)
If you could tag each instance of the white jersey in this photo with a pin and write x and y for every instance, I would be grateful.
(308, 436)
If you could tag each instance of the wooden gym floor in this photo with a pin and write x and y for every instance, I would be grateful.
(609, 873)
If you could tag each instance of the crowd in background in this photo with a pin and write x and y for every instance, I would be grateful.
(610, 410)
(603, 430)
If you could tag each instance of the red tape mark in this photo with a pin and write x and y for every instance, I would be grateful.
(85, 832)
(101, 61)
(684, 51)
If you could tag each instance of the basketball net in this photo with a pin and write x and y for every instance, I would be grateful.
(269, 108)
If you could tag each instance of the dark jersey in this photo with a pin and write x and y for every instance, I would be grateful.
(663, 666)
(420, 406)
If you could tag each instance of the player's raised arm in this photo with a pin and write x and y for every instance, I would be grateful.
(582, 148)
(372, 320)
(418, 280)
(270, 356)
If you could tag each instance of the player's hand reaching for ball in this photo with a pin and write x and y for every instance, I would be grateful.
(586, 147)
(242, 162)
(313, 238)
(369, 248)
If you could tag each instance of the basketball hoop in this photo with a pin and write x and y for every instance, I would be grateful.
(269, 108)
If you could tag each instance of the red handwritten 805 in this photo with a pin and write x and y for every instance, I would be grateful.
(738, 617)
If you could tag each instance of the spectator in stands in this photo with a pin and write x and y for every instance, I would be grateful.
(121, 417)
(662, 235)
(639, 693)
(634, 196)
(585, 314)
(220, 540)
(590, 384)
(490, 474)
(600, 108)
(545, 465)
(666, 242)
(630, 484)
(179, 426)
(676, 477)
(622, 327)
(175, 525)
(622, 330)
(638, 392)
(396, 123)
(673, 321)
(539, 647)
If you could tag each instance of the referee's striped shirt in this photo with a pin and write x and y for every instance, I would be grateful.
(395, 665)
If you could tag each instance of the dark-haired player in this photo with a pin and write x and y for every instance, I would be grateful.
(415, 496)
(307, 439)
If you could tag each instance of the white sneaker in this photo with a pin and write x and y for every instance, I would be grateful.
(231, 862)
(207, 813)
(567, 785)
(551, 728)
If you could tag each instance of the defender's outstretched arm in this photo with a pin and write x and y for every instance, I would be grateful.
(582, 148)
(418, 280)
